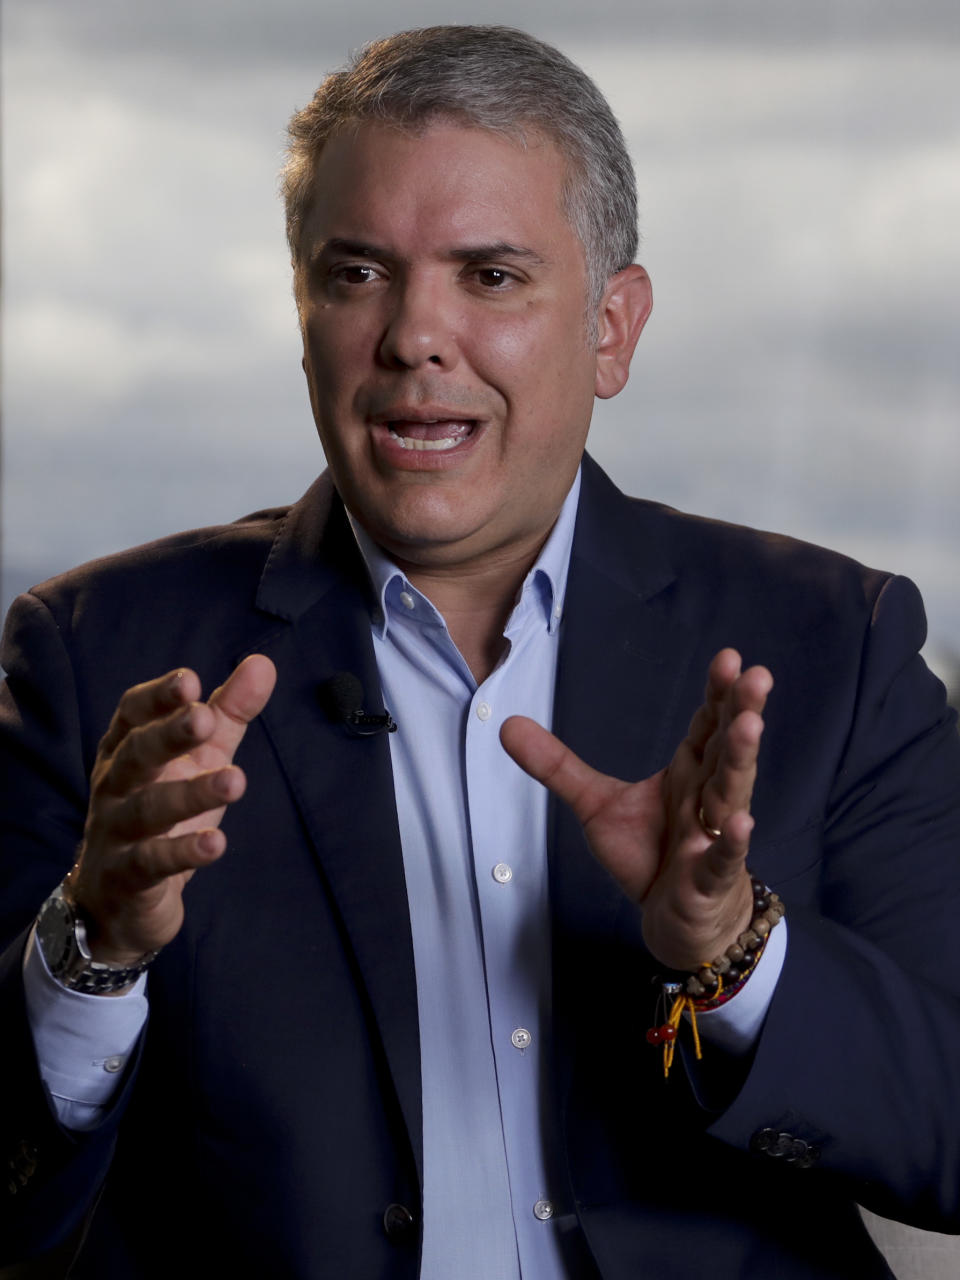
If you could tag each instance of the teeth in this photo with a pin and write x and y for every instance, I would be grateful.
(447, 442)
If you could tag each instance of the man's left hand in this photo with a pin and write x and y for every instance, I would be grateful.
(652, 836)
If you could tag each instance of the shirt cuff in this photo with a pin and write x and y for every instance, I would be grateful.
(736, 1025)
(82, 1041)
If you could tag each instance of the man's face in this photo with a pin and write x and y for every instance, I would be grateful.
(443, 301)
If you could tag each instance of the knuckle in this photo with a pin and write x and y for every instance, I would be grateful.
(144, 813)
(142, 863)
(96, 834)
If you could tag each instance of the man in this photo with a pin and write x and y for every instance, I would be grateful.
(398, 1007)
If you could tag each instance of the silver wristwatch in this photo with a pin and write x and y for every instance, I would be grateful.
(62, 938)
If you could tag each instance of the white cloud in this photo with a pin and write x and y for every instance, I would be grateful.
(800, 203)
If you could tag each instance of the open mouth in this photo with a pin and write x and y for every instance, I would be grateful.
(431, 436)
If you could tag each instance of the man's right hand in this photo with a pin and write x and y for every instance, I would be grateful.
(161, 782)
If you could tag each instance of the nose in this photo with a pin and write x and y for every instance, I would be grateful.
(419, 329)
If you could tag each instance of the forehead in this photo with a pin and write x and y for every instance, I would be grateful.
(446, 184)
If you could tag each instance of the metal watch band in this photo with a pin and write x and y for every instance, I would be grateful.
(62, 938)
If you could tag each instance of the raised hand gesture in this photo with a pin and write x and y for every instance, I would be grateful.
(161, 782)
(677, 842)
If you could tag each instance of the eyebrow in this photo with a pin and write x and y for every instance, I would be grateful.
(465, 253)
(499, 249)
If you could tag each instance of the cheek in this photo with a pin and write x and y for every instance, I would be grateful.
(533, 353)
(333, 360)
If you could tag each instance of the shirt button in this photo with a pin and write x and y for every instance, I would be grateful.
(557, 613)
(113, 1064)
(522, 1039)
(406, 599)
(483, 711)
(543, 1210)
(502, 873)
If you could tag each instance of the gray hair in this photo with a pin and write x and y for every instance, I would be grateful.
(494, 78)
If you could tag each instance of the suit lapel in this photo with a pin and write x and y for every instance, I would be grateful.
(624, 666)
(622, 704)
(315, 587)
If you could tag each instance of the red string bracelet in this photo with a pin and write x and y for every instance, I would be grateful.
(716, 981)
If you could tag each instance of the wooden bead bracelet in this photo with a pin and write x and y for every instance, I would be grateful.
(715, 982)
(735, 964)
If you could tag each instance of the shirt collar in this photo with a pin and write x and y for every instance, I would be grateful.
(545, 584)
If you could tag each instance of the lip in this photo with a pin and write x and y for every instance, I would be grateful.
(423, 414)
(387, 425)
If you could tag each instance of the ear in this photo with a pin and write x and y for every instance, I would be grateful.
(622, 313)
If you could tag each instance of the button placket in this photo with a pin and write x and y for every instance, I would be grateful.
(504, 855)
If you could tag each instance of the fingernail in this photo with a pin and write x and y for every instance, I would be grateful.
(208, 842)
(222, 784)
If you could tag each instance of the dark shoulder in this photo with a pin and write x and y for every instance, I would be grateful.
(216, 550)
(184, 600)
(760, 558)
(730, 555)
(716, 570)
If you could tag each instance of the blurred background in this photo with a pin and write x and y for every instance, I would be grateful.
(799, 174)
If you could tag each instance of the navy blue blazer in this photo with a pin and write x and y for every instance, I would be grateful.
(272, 1122)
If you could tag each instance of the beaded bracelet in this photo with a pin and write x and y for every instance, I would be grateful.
(718, 981)
(734, 966)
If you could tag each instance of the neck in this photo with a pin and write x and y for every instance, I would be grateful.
(475, 602)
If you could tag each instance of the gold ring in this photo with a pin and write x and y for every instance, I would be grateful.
(713, 832)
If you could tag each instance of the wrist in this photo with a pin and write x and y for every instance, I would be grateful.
(717, 979)
(682, 941)
(100, 942)
(63, 940)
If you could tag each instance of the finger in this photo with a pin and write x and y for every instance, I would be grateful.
(725, 667)
(743, 708)
(722, 675)
(722, 863)
(152, 861)
(150, 701)
(246, 692)
(749, 691)
(731, 690)
(161, 806)
(730, 785)
(145, 750)
(547, 759)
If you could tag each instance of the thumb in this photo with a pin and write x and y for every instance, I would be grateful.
(542, 755)
(247, 690)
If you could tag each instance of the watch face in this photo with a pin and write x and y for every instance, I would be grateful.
(55, 935)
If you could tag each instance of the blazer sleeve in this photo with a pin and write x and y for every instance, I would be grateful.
(50, 1175)
(856, 1070)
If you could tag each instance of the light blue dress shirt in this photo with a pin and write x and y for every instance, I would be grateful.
(473, 829)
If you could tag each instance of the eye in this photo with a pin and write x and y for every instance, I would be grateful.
(494, 278)
(353, 273)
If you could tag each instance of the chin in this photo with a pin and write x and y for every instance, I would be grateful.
(424, 524)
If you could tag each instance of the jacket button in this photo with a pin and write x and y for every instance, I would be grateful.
(398, 1223)
(784, 1146)
(21, 1166)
